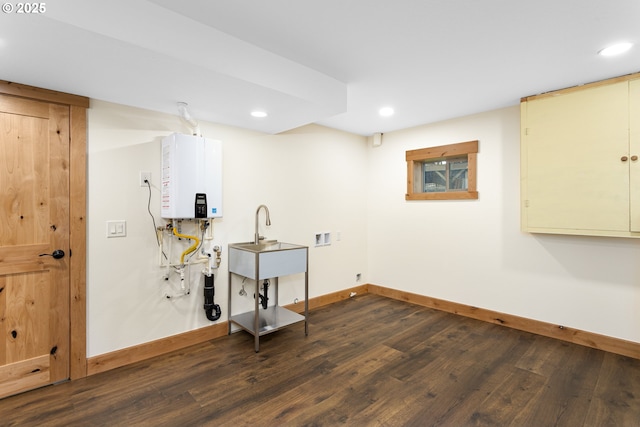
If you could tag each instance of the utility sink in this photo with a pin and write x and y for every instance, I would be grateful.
(267, 259)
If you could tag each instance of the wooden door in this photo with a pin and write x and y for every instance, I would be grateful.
(34, 222)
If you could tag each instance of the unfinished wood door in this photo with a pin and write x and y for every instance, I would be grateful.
(34, 222)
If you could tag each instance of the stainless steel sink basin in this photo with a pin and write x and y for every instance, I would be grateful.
(266, 246)
(267, 259)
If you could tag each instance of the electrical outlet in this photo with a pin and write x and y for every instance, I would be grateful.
(144, 178)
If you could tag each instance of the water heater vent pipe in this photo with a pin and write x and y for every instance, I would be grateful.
(187, 119)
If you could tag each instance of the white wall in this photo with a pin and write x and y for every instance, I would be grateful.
(312, 179)
(315, 179)
(473, 252)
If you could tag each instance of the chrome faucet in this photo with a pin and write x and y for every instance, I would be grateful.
(257, 236)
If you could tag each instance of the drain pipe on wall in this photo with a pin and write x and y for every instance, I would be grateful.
(209, 289)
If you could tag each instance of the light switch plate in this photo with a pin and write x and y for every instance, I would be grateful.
(117, 228)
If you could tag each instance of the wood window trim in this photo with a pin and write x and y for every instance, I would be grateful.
(469, 148)
(78, 106)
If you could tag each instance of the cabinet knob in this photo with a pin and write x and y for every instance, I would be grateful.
(624, 158)
(634, 158)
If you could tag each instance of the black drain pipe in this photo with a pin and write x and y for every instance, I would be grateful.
(209, 292)
(264, 299)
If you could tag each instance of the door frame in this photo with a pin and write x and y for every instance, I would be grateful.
(78, 106)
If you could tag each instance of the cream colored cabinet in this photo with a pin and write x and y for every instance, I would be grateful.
(634, 143)
(580, 160)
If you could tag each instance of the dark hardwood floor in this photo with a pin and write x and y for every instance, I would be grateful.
(367, 361)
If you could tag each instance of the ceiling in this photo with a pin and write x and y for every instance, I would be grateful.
(331, 62)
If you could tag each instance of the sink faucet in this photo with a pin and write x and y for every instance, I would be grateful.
(257, 236)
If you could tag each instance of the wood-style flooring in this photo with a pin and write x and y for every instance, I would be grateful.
(368, 361)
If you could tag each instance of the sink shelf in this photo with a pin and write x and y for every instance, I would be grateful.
(269, 320)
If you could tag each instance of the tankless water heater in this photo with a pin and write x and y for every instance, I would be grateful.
(191, 177)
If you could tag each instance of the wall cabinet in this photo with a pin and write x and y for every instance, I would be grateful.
(580, 160)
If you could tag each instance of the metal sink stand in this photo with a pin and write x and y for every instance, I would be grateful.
(264, 321)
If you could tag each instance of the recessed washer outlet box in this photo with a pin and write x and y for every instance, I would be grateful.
(323, 238)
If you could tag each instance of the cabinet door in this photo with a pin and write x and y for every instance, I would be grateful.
(575, 147)
(634, 144)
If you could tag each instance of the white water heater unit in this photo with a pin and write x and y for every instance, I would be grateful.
(191, 177)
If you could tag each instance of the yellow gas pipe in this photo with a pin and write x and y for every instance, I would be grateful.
(190, 248)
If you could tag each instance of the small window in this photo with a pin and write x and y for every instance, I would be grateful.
(442, 173)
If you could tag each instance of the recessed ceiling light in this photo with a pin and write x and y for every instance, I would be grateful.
(259, 114)
(386, 111)
(616, 49)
